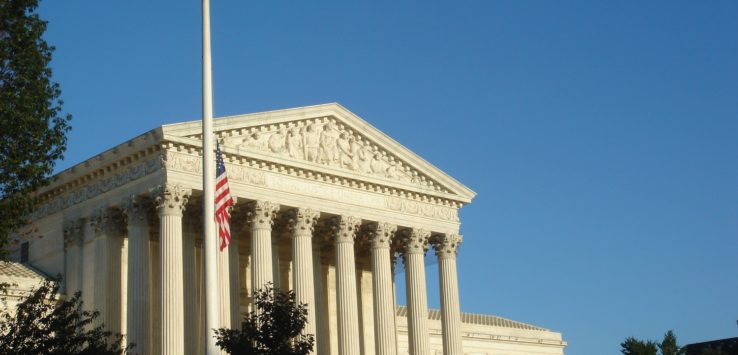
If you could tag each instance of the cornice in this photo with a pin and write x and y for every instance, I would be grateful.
(183, 154)
(434, 194)
(108, 162)
(100, 180)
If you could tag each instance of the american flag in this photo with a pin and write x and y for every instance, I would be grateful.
(223, 200)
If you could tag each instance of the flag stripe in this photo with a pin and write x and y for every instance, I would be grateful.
(223, 200)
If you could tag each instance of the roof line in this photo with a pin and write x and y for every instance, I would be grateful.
(479, 319)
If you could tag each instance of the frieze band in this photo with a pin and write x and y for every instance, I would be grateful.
(324, 141)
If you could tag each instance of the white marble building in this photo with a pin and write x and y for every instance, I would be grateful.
(326, 204)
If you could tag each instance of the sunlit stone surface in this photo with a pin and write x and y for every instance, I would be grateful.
(326, 205)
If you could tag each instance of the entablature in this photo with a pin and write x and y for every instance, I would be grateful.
(184, 154)
(330, 147)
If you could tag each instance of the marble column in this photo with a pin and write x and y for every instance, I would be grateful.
(99, 263)
(345, 228)
(88, 267)
(171, 201)
(446, 247)
(124, 285)
(200, 297)
(415, 244)
(393, 264)
(331, 300)
(155, 289)
(276, 275)
(302, 223)
(136, 210)
(380, 235)
(192, 224)
(322, 331)
(73, 256)
(365, 298)
(235, 281)
(261, 217)
(108, 224)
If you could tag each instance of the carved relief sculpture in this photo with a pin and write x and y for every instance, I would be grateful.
(323, 141)
(294, 144)
(311, 143)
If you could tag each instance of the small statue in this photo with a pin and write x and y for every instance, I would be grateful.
(356, 151)
(311, 143)
(392, 171)
(365, 158)
(328, 146)
(378, 165)
(345, 155)
(294, 143)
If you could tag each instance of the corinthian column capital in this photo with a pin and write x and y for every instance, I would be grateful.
(136, 209)
(380, 234)
(446, 245)
(261, 214)
(414, 241)
(302, 220)
(107, 221)
(344, 228)
(171, 199)
(73, 232)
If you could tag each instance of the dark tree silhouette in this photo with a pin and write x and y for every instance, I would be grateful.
(33, 133)
(45, 325)
(668, 346)
(274, 328)
(633, 346)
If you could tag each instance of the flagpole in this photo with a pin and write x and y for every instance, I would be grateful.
(208, 187)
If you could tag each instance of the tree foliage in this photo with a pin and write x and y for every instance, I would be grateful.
(633, 346)
(44, 325)
(274, 328)
(667, 346)
(33, 134)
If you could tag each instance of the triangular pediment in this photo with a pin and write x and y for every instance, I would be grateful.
(326, 138)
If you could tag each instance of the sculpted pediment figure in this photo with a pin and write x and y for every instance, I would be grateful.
(326, 143)
(323, 141)
(328, 136)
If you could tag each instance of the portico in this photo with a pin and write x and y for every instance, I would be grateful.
(326, 205)
(341, 236)
(323, 199)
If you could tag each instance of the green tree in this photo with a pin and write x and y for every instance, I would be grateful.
(44, 325)
(274, 328)
(667, 346)
(633, 346)
(33, 134)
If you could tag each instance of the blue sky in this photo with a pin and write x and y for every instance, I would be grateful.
(601, 137)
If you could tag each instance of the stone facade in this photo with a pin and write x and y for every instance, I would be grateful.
(326, 206)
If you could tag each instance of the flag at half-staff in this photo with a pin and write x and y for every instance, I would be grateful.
(223, 200)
